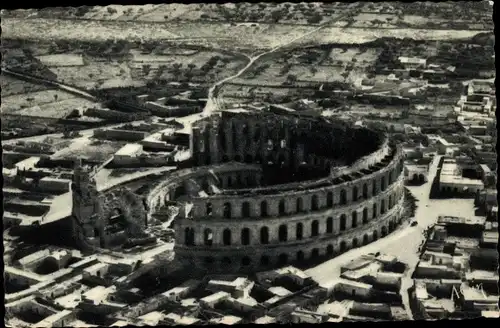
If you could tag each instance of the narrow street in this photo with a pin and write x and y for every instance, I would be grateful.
(404, 242)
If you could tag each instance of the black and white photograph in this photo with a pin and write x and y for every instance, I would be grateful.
(248, 163)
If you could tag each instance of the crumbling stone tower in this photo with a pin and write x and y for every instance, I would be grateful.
(86, 208)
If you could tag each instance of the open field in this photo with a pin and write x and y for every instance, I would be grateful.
(254, 36)
(59, 29)
(58, 109)
(11, 86)
(85, 147)
(11, 104)
(258, 36)
(361, 57)
(329, 35)
(48, 103)
(61, 60)
(94, 73)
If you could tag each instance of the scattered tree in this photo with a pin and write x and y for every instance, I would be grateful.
(111, 10)
(315, 19)
(146, 69)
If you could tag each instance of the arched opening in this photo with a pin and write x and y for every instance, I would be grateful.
(365, 191)
(421, 178)
(239, 180)
(375, 235)
(189, 236)
(209, 209)
(391, 227)
(245, 261)
(354, 193)
(390, 178)
(329, 199)
(281, 159)
(299, 231)
(208, 237)
(263, 209)
(365, 239)
(355, 243)
(283, 233)
(281, 208)
(415, 177)
(382, 184)
(314, 228)
(264, 260)
(237, 158)
(343, 197)
(264, 235)
(343, 223)
(300, 256)
(248, 159)
(374, 188)
(283, 259)
(245, 209)
(314, 203)
(329, 225)
(300, 205)
(205, 184)
(256, 134)
(226, 237)
(365, 215)
(226, 263)
(384, 231)
(315, 254)
(382, 206)
(227, 210)
(269, 159)
(375, 212)
(224, 157)
(330, 250)
(343, 247)
(354, 219)
(229, 181)
(245, 236)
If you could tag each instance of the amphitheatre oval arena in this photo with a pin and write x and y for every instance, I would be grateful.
(268, 190)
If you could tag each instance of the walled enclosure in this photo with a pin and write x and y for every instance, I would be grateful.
(234, 220)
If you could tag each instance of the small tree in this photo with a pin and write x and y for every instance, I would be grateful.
(291, 78)
(146, 69)
(315, 19)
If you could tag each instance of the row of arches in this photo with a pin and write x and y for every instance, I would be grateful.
(315, 253)
(357, 220)
(315, 204)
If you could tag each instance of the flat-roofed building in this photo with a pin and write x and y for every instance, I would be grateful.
(214, 299)
(176, 319)
(127, 153)
(226, 320)
(177, 293)
(58, 185)
(413, 62)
